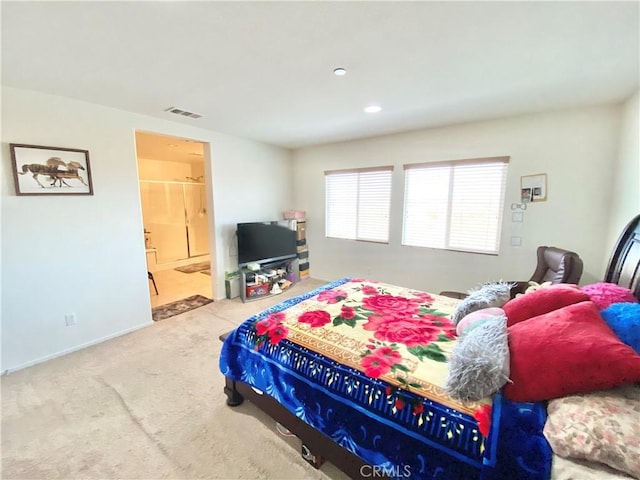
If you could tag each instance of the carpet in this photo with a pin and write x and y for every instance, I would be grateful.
(158, 388)
(194, 267)
(181, 306)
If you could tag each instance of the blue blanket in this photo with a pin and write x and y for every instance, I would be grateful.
(352, 409)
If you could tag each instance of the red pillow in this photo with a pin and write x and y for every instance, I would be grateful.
(567, 351)
(542, 301)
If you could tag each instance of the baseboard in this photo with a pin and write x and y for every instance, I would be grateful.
(46, 358)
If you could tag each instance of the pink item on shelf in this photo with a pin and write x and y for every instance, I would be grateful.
(294, 214)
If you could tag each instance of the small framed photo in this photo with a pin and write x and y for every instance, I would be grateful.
(41, 170)
(534, 187)
(525, 195)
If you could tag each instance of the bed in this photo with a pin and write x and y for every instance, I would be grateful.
(357, 370)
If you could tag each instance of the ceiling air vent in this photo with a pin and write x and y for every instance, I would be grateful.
(184, 113)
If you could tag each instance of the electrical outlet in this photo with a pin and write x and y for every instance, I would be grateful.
(70, 319)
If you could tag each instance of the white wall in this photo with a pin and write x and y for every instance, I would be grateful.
(625, 202)
(85, 254)
(575, 148)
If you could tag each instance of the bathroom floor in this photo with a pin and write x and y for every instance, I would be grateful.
(174, 285)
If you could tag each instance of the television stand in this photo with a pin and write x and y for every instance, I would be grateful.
(273, 278)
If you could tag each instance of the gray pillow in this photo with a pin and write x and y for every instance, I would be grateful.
(488, 295)
(479, 364)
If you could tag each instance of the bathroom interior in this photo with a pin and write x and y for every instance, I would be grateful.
(176, 221)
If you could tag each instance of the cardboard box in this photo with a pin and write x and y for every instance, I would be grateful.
(301, 231)
(257, 290)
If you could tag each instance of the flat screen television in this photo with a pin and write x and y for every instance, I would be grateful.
(264, 242)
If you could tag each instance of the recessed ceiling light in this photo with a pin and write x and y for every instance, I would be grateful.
(339, 71)
(373, 109)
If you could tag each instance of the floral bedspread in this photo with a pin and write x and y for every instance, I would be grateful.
(400, 335)
(365, 363)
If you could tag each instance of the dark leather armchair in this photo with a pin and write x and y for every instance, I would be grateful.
(555, 265)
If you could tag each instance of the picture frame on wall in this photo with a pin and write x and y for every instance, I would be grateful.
(525, 195)
(39, 170)
(533, 188)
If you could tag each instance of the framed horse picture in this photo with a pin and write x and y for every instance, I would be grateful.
(41, 170)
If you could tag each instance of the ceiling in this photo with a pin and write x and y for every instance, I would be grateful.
(263, 70)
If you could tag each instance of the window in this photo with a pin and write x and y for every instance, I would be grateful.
(357, 204)
(455, 205)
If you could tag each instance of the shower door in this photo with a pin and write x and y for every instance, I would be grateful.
(196, 219)
(175, 216)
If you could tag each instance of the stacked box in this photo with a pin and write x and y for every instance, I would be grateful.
(303, 250)
(303, 255)
(304, 270)
(301, 231)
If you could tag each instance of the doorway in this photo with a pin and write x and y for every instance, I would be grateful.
(172, 181)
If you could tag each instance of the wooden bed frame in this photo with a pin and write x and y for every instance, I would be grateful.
(623, 269)
(316, 446)
(624, 264)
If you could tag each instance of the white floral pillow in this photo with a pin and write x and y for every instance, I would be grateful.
(600, 426)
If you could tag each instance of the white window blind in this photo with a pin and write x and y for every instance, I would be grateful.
(358, 203)
(455, 205)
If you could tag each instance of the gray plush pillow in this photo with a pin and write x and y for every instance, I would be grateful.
(488, 295)
(479, 364)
